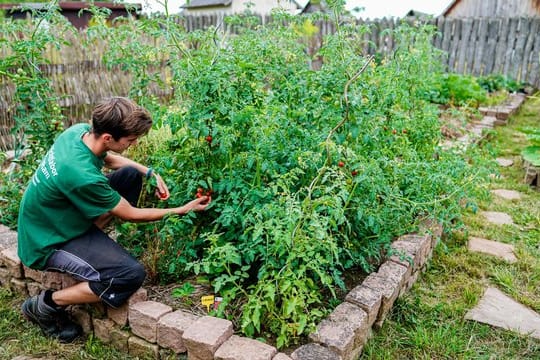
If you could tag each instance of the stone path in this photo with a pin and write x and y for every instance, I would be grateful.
(497, 309)
(507, 194)
(495, 248)
(497, 218)
(505, 162)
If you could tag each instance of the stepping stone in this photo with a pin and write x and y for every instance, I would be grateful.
(497, 218)
(507, 194)
(487, 122)
(505, 162)
(497, 309)
(495, 248)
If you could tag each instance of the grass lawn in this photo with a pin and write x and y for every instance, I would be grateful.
(428, 322)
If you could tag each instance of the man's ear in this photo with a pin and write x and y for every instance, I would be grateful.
(107, 137)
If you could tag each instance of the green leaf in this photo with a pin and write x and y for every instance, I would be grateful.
(532, 154)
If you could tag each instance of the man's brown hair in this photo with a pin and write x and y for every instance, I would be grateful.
(120, 117)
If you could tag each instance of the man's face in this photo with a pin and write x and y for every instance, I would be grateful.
(122, 144)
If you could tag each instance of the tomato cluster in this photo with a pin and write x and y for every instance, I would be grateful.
(203, 192)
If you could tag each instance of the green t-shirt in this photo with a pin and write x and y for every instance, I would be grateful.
(66, 194)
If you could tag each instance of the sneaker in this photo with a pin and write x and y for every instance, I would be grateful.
(53, 322)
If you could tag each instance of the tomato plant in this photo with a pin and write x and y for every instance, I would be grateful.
(312, 171)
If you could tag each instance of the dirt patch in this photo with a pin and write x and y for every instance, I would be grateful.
(455, 125)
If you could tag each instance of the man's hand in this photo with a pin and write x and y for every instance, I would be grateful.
(198, 204)
(162, 191)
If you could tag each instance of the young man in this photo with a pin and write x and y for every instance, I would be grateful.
(68, 202)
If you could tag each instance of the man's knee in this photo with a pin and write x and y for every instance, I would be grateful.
(138, 274)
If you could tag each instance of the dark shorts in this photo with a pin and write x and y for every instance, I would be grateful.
(111, 272)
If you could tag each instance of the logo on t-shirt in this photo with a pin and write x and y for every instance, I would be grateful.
(47, 167)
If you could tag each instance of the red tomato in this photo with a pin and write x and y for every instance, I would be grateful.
(341, 164)
(354, 173)
(209, 138)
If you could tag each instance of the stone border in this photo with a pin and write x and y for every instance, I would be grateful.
(156, 329)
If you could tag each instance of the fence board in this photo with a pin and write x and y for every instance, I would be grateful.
(516, 70)
(501, 46)
(455, 42)
(462, 51)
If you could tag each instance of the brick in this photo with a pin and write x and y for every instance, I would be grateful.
(487, 122)
(19, 286)
(32, 274)
(51, 280)
(501, 122)
(8, 239)
(68, 280)
(412, 280)
(404, 253)
(103, 329)
(503, 113)
(120, 314)
(205, 336)
(140, 348)
(5, 277)
(424, 246)
(10, 260)
(483, 110)
(395, 273)
(171, 327)
(34, 288)
(143, 318)
(314, 351)
(367, 299)
(345, 331)
(240, 348)
(433, 228)
(389, 293)
(119, 339)
(281, 356)
(82, 317)
(97, 310)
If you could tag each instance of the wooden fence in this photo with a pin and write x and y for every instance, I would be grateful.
(482, 46)
(475, 46)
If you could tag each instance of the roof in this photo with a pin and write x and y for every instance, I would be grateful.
(450, 7)
(206, 3)
(315, 6)
(417, 14)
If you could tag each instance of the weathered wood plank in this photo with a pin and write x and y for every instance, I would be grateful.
(516, 70)
(509, 54)
(463, 50)
(455, 42)
(500, 40)
(479, 46)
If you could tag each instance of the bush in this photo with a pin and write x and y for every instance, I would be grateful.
(458, 90)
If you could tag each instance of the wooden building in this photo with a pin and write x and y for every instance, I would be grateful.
(72, 10)
(493, 8)
(261, 7)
